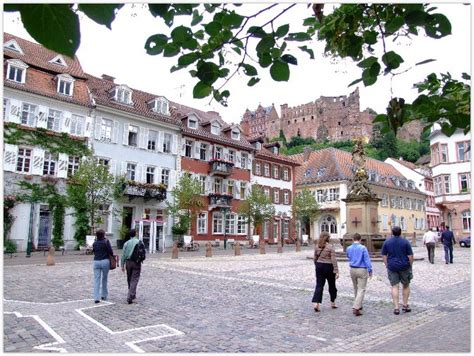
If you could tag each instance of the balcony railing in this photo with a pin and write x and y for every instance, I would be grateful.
(220, 167)
(145, 190)
(220, 200)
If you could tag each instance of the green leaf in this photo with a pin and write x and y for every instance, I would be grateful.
(213, 28)
(355, 82)
(193, 73)
(282, 30)
(221, 59)
(181, 34)
(232, 20)
(309, 21)
(236, 50)
(392, 60)
(265, 44)
(170, 50)
(280, 71)
(380, 118)
(369, 75)
(275, 53)
(196, 18)
(256, 31)
(307, 50)
(249, 69)
(437, 26)
(288, 58)
(253, 81)
(187, 59)
(394, 24)
(465, 76)
(158, 9)
(208, 72)
(416, 18)
(367, 62)
(199, 34)
(55, 26)
(154, 44)
(298, 36)
(210, 7)
(223, 72)
(201, 90)
(175, 68)
(370, 37)
(192, 44)
(425, 61)
(103, 14)
(265, 59)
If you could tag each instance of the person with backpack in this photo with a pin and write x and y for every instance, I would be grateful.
(133, 255)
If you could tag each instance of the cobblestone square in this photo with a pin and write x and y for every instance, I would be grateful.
(226, 303)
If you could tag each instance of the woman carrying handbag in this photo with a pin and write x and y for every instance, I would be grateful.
(326, 269)
(102, 250)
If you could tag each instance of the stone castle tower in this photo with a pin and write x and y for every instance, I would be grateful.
(332, 118)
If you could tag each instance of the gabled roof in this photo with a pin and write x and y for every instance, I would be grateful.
(100, 88)
(265, 154)
(331, 164)
(38, 56)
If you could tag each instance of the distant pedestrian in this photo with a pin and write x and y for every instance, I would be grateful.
(361, 270)
(133, 265)
(102, 250)
(326, 269)
(448, 241)
(398, 258)
(429, 240)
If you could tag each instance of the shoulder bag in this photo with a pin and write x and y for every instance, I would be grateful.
(113, 259)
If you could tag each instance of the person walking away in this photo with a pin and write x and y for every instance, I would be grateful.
(448, 241)
(398, 258)
(326, 270)
(132, 263)
(361, 270)
(429, 240)
(101, 265)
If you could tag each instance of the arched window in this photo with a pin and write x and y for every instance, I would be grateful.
(329, 224)
(466, 220)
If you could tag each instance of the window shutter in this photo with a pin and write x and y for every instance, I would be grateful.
(197, 149)
(113, 167)
(125, 134)
(66, 122)
(15, 111)
(139, 173)
(209, 152)
(249, 162)
(10, 156)
(172, 179)
(142, 137)
(247, 189)
(208, 185)
(160, 141)
(97, 127)
(88, 127)
(289, 197)
(115, 132)
(63, 161)
(226, 154)
(238, 158)
(183, 147)
(42, 120)
(123, 168)
(174, 144)
(157, 175)
(38, 161)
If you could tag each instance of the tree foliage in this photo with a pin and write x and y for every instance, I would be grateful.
(256, 207)
(305, 207)
(220, 40)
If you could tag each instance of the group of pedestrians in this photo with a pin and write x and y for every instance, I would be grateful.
(130, 262)
(397, 257)
(430, 239)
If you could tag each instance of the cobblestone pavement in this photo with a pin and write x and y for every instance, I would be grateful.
(226, 303)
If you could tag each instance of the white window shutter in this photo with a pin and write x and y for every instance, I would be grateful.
(209, 153)
(249, 163)
(97, 128)
(123, 168)
(138, 173)
(10, 156)
(113, 167)
(125, 134)
(160, 141)
(208, 185)
(115, 132)
(247, 189)
(88, 127)
(63, 161)
(42, 120)
(172, 179)
(38, 161)
(174, 145)
(197, 149)
(157, 179)
(141, 137)
(66, 122)
(237, 189)
(226, 154)
(15, 111)
(238, 157)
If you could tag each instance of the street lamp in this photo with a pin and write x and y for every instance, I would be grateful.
(224, 211)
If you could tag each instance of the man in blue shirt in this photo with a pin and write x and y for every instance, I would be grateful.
(398, 258)
(448, 241)
(361, 270)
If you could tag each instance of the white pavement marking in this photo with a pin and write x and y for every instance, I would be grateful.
(50, 345)
(133, 344)
(46, 303)
(316, 337)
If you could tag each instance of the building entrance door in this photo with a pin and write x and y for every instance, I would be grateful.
(44, 231)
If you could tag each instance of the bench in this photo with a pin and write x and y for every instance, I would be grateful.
(60, 248)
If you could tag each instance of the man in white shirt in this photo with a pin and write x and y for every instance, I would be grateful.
(429, 240)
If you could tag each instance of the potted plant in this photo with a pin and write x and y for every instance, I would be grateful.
(123, 236)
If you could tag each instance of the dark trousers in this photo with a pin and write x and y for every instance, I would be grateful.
(448, 253)
(430, 246)
(324, 271)
(133, 275)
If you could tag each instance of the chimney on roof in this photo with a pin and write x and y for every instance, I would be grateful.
(401, 158)
(108, 77)
(306, 153)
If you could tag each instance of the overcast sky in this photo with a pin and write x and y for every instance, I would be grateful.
(121, 54)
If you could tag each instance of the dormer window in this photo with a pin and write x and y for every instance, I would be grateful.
(122, 94)
(192, 123)
(275, 150)
(160, 106)
(65, 84)
(16, 71)
(215, 128)
(258, 145)
(13, 46)
(235, 134)
(58, 60)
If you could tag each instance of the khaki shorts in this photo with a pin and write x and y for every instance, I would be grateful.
(404, 276)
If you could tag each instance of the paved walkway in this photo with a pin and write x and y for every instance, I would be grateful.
(248, 303)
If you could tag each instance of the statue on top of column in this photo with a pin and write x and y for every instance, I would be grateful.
(359, 187)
